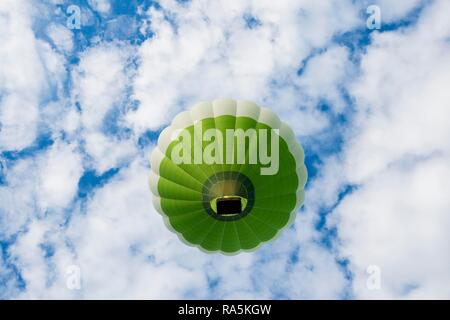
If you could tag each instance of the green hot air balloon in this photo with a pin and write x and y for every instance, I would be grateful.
(227, 176)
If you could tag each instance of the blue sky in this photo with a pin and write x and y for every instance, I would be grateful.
(81, 109)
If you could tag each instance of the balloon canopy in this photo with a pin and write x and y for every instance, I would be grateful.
(227, 176)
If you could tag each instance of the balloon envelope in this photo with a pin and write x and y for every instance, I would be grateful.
(227, 176)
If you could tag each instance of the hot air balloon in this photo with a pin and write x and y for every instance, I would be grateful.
(227, 176)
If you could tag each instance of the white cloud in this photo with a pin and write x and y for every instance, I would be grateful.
(325, 74)
(18, 119)
(211, 53)
(107, 152)
(31, 75)
(59, 172)
(30, 72)
(121, 265)
(100, 83)
(124, 250)
(398, 221)
(43, 258)
(100, 87)
(39, 186)
(102, 6)
(396, 151)
(21, 77)
(399, 156)
(61, 37)
(17, 197)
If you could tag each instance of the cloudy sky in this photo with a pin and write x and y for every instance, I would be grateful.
(87, 86)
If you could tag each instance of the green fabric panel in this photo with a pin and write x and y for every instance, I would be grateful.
(175, 207)
(171, 190)
(195, 233)
(182, 222)
(180, 188)
(175, 173)
(247, 236)
(230, 238)
(265, 232)
(273, 218)
(213, 239)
